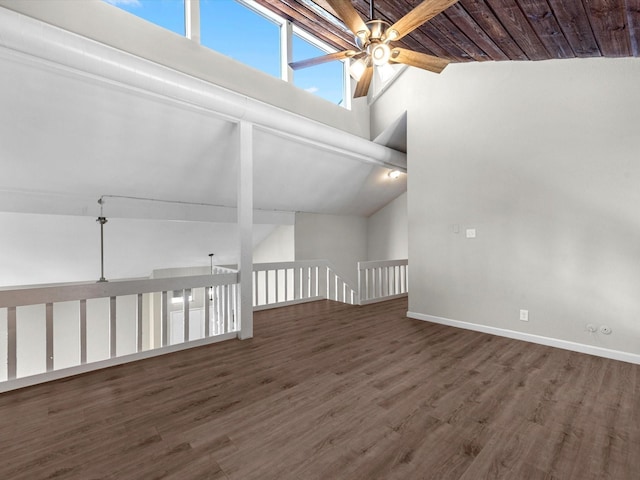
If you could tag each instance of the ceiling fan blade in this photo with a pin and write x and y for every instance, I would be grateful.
(349, 15)
(362, 88)
(416, 17)
(310, 62)
(420, 60)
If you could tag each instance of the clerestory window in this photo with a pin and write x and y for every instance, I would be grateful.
(248, 33)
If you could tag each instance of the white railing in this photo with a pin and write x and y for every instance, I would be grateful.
(56, 331)
(287, 283)
(382, 280)
(49, 332)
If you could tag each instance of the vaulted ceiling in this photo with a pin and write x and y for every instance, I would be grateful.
(481, 30)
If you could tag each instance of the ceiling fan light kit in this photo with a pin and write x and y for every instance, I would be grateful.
(357, 69)
(373, 38)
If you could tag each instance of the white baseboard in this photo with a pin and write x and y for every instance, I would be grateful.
(529, 337)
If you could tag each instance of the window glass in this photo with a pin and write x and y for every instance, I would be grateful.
(237, 31)
(166, 13)
(325, 80)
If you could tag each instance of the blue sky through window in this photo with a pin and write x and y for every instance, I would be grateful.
(325, 80)
(235, 30)
(240, 33)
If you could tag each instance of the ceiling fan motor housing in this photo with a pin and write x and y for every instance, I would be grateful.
(377, 29)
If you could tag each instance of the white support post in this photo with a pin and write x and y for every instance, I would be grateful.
(192, 19)
(245, 228)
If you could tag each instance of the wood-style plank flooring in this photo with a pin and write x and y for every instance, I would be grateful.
(331, 391)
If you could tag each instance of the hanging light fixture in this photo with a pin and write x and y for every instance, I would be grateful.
(101, 220)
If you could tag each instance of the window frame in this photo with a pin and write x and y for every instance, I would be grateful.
(193, 28)
(316, 42)
(287, 30)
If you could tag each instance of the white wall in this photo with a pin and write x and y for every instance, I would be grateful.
(541, 159)
(341, 239)
(37, 249)
(279, 246)
(388, 231)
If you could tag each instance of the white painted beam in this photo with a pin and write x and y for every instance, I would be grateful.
(25, 39)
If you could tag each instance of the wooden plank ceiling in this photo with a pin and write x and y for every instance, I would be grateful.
(480, 30)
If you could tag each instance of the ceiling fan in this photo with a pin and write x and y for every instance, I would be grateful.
(375, 42)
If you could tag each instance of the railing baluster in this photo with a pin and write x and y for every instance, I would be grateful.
(313, 276)
(266, 287)
(286, 284)
(369, 278)
(255, 288)
(218, 310)
(139, 323)
(112, 327)
(83, 332)
(207, 313)
(405, 287)
(229, 309)
(165, 318)
(11, 343)
(49, 335)
(276, 272)
(185, 312)
(235, 299)
(385, 285)
(225, 310)
(296, 283)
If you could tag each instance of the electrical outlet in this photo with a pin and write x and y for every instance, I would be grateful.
(524, 315)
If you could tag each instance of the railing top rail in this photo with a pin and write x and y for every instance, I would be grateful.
(85, 291)
(220, 268)
(294, 264)
(382, 263)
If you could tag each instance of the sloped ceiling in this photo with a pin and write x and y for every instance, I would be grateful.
(480, 30)
(63, 133)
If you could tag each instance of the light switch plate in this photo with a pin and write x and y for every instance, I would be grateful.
(471, 233)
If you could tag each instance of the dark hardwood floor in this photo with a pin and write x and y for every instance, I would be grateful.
(331, 391)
